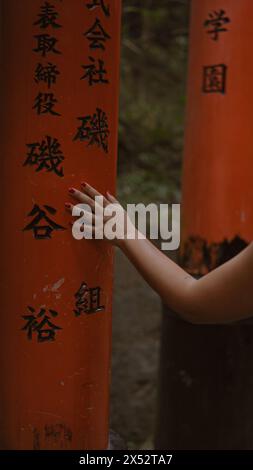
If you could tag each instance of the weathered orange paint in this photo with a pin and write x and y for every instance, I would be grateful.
(54, 395)
(218, 157)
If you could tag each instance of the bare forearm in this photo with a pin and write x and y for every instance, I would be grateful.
(222, 296)
(170, 281)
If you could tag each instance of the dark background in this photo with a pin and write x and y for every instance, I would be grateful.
(152, 104)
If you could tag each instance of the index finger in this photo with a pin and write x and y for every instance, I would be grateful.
(92, 192)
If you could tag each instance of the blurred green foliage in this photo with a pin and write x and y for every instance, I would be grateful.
(152, 102)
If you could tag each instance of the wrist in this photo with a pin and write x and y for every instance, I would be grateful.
(133, 238)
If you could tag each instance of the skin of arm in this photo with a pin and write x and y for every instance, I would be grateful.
(222, 296)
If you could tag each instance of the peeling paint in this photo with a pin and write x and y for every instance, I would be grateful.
(54, 288)
(59, 433)
(58, 284)
(199, 257)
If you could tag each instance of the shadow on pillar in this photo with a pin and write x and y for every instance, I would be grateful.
(205, 386)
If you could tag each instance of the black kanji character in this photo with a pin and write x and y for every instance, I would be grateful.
(46, 73)
(99, 3)
(214, 78)
(46, 155)
(95, 74)
(44, 104)
(46, 44)
(216, 22)
(94, 129)
(88, 300)
(40, 324)
(97, 35)
(42, 231)
(47, 17)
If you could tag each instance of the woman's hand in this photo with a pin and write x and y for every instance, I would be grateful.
(102, 214)
(221, 296)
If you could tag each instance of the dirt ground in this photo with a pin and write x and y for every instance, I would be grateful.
(135, 358)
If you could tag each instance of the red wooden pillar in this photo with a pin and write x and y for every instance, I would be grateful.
(206, 371)
(218, 164)
(58, 120)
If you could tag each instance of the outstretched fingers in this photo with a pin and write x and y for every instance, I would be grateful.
(111, 198)
(95, 202)
(93, 193)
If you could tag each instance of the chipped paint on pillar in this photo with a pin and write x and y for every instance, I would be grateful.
(199, 257)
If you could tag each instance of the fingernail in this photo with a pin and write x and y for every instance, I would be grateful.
(67, 205)
(71, 190)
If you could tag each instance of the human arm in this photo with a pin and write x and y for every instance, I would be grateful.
(221, 296)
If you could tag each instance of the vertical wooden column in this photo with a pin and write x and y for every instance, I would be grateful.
(206, 371)
(58, 121)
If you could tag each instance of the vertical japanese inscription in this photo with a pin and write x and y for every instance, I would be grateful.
(42, 225)
(40, 324)
(94, 128)
(215, 23)
(46, 44)
(45, 154)
(92, 4)
(214, 76)
(87, 300)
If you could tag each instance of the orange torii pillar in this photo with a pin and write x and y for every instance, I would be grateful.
(59, 115)
(206, 381)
